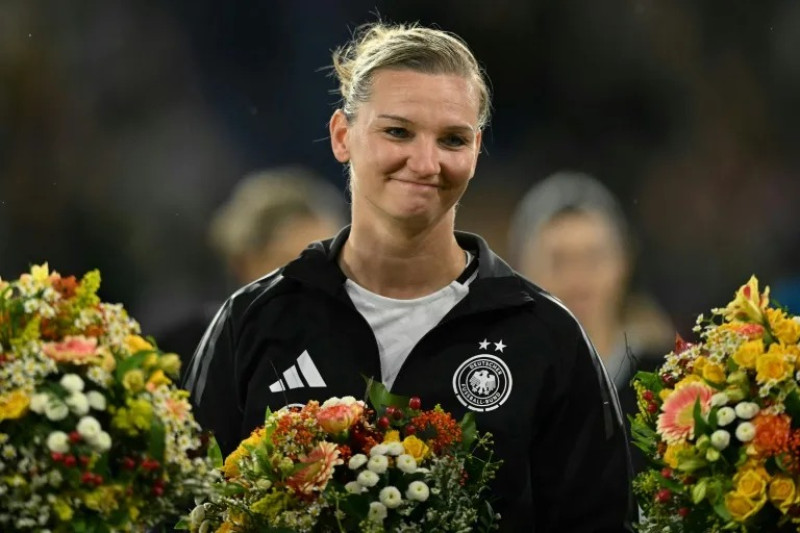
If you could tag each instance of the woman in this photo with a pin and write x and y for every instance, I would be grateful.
(399, 294)
(569, 236)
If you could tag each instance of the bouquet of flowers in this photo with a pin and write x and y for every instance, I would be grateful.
(94, 436)
(720, 421)
(342, 466)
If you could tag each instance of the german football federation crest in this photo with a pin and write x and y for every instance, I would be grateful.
(483, 382)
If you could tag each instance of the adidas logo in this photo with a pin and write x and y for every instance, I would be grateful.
(292, 379)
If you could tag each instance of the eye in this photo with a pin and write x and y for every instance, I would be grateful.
(396, 132)
(453, 141)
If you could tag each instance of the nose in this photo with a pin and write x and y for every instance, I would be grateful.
(423, 157)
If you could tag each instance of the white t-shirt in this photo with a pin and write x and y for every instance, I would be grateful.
(399, 325)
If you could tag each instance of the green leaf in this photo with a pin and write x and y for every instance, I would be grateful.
(792, 404)
(380, 397)
(158, 437)
(469, 430)
(215, 453)
(130, 363)
(650, 380)
(722, 511)
(182, 525)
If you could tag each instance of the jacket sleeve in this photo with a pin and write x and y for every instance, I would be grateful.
(212, 383)
(581, 464)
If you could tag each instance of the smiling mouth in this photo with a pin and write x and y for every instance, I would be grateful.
(418, 184)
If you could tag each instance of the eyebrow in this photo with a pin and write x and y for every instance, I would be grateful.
(404, 120)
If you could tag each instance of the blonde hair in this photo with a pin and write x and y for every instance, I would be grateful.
(379, 45)
(264, 200)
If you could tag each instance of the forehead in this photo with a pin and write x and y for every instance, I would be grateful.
(420, 95)
(577, 229)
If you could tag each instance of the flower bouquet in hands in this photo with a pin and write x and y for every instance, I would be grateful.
(93, 434)
(720, 422)
(343, 466)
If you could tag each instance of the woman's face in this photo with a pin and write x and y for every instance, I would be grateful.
(579, 258)
(412, 147)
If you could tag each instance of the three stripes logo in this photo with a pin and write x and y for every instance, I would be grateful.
(303, 373)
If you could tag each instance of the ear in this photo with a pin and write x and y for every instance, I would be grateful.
(338, 127)
(478, 140)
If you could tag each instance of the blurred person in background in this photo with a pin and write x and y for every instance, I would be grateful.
(269, 218)
(570, 236)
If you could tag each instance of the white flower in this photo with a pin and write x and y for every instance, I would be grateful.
(56, 410)
(407, 463)
(725, 416)
(378, 464)
(746, 410)
(417, 490)
(367, 478)
(354, 487)
(96, 400)
(357, 461)
(719, 399)
(78, 403)
(720, 439)
(205, 527)
(58, 442)
(72, 382)
(378, 449)
(395, 449)
(390, 497)
(102, 441)
(745, 432)
(89, 427)
(39, 402)
(377, 512)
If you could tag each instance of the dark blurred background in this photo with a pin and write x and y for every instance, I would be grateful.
(124, 124)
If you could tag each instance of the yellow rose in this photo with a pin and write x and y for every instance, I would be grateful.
(741, 507)
(714, 373)
(691, 378)
(749, 304)
(784, 328)
(150, 361)
(158, 378)
(135, 343)
(782, 491)
(748, 353)
(13, 404)
(416, 448)
(392, 436)
(751, 483)
(133, 380)
(773, 365)
(664, 394)
(171, 364)
(699, 364)
(673, 450)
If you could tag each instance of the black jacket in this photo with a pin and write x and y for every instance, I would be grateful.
(508, 351)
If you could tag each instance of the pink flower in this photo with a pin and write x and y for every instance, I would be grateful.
(318, 470)
(339, 417)
(78, 349)
(676, 422)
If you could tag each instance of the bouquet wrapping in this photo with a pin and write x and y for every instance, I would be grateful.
(720, 423)
(94, 435)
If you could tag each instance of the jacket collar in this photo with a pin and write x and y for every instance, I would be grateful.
(496, 286)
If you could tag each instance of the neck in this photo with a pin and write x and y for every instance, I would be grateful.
(400, 262)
